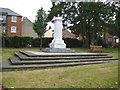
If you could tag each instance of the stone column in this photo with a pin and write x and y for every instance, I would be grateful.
(57, 42)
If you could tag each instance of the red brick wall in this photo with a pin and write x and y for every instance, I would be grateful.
(106, 36)
(18, 24)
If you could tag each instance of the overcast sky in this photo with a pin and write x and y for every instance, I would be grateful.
(26, 8)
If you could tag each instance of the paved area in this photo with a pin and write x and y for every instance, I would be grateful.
(43, 53)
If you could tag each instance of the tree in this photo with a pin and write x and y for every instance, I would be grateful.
(88, 18)
(118, 21)
(40, 24)
(115, 27)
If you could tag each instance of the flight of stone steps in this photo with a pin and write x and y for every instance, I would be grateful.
(32, 59)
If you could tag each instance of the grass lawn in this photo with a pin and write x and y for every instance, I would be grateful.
(0, 54)
(8, 52)
(110, 51)
(86, 76)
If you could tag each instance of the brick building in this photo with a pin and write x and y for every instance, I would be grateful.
(112, 40)
(11, 22)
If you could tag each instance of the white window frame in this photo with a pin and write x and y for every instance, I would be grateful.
(4, 30)
(13, 29)
(117, 40)
(14, 19)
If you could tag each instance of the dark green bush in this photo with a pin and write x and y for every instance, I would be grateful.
(18, 42)
(47, 41)
(99, 41)
(36, 42)
(27, 40)
(71, 43)
(105, 45)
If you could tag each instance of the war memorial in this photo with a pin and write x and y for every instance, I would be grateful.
(57, 55)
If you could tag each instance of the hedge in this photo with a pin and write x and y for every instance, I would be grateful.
(18, 42)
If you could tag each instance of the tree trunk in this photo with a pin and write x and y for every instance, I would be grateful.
(94, 31)
(83, 40)
(87, 40)
(88, 36)
(40, 43)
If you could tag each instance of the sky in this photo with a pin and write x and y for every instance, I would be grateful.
(26, 8)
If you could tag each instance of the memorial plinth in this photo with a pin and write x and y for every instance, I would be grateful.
(57, 41)
(57, 45)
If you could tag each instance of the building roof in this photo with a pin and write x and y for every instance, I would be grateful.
(8, 12)
(67, 34)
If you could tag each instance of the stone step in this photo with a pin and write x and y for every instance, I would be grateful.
(24, 57)
(35, 66)
(42, 54)
(32, 59)
(16, 61)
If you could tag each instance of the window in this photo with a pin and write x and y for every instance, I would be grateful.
(4, 17)
(110, 39)
(13, 29)
(13, 19)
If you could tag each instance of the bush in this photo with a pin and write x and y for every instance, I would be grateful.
(102, 43)
(99, 41)
(36, 42)
(18, 42)
(47, 41)
(72, 43)
(27, 40)
(105, 45)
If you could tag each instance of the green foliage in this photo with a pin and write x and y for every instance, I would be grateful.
(46, 42)
(18, 42)
(88, 18)
(116, 26)
(40, 24)
(36, 42)
(72, 43)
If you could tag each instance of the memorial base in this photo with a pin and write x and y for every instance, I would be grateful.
(58, 50)
(57, 44)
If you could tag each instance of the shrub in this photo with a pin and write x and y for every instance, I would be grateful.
(15, 41)
(72, 43)
(18, 42)
(27, 40)
(105, 45)
(47, 41)
(36, 42)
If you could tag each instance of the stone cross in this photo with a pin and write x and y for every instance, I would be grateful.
(57, 41)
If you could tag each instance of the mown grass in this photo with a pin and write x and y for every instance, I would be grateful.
(113, 52)
(8, 52)
(87, 76)
(0, 54)
(110, 51)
